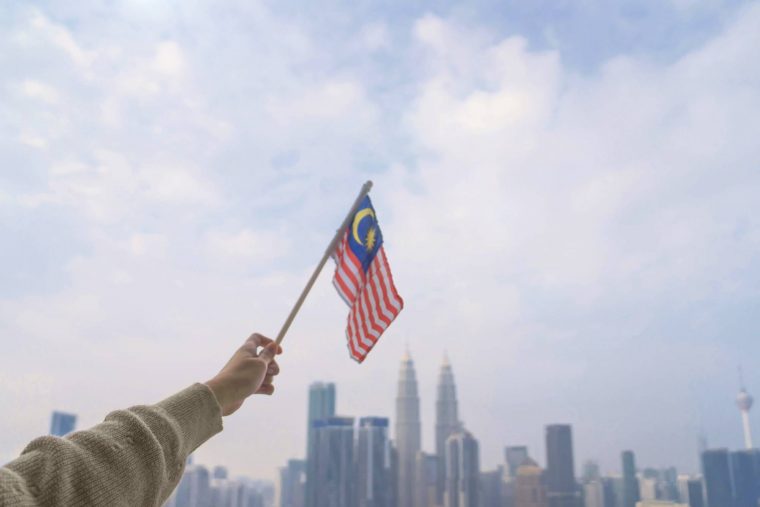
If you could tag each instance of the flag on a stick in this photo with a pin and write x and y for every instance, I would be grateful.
(364, 281)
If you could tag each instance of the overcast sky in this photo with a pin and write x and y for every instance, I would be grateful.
(569, 194)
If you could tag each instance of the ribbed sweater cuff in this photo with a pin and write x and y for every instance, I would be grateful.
(197, 412)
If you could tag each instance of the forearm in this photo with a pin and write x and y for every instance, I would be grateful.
(135, 457)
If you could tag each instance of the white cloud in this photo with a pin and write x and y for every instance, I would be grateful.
(256, 247)
(32, 140)
(176, 185)
(37, 90)
(169, 59)
(331, 100)
(112, 188)
(141, 244)
(61, 37)
(375, 37)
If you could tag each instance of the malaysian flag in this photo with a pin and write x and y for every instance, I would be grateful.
(363, 279)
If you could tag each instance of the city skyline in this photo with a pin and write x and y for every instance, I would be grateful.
(566, 460)
(352, 462)
(357, 464)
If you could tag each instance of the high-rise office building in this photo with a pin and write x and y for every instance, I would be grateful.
(508, 489)
(321, 407)
(335, 476)
(745, 472)
(696, 495)
(667, 486)
(561, 487)
(659, 503)
(631, 492)
(593, 488)
(407, 431)
(194, 489)
(613, 491)
(492, 488)
(530, 486)
(717, 470)
(62, 423)
(426, 480)
(446, 420)
(590, 471)
(233, 493)
(293, 483)
(515, 456)
(462, 470)
(648, 488)
(593, 493)
(374, 475)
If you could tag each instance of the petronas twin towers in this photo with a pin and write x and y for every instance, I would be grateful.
(408, 432)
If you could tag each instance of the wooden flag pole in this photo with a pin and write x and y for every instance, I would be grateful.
(328, 252)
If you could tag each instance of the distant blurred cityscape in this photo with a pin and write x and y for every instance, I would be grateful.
(352, 462)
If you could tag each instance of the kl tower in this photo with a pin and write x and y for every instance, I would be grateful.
(744, 402)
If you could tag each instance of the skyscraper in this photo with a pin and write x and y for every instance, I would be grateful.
(593, 493)
(696, 495)
(492, 488)
(194, 489)
(335, 476)
(426, 480)
(321, 407)
(745, 472)
(613, 487)
(515, 456)
(590, 471)
(293, 483)
(407, 431)
(560, 469)
(62, 423)
(659, 503)
(530, 486)
(373, 464)
(462, 471)
(446, 420)
(717, 470)
(631, 493)
(744, 402)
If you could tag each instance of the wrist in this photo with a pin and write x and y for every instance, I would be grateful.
(217, 389)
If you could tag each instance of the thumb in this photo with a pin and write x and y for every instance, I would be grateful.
(268, 353)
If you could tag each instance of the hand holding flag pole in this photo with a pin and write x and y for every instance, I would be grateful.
(328, 252)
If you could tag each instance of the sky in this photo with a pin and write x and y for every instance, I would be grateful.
(569, 194)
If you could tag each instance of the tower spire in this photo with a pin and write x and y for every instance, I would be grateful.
(744, 401)
(407, 430)
(446, 420)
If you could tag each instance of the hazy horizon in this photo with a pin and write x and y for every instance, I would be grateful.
(569, 195)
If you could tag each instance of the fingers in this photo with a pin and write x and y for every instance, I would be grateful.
(267, 389)
(266, 386)
(269, 351)
(257, 340)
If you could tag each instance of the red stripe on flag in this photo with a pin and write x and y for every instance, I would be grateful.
(372, 297)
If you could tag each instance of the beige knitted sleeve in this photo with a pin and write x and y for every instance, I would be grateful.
(134, 458)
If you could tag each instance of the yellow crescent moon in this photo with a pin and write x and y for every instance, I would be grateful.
(357, 220)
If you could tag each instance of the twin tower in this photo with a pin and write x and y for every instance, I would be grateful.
(422, 478)
(350, 465)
